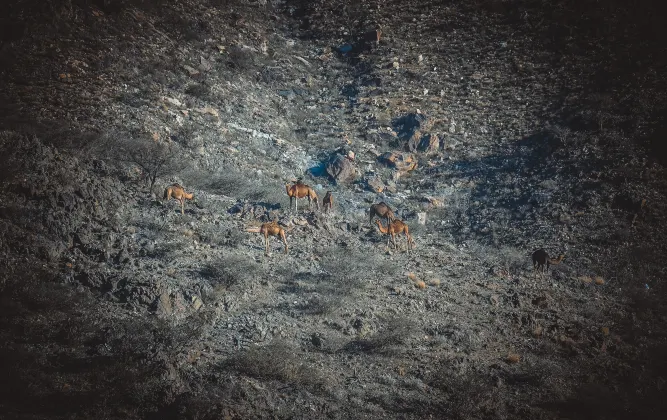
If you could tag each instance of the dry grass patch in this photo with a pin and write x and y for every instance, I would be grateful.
(276, 361)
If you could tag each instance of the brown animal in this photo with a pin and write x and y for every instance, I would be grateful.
(381, 210)
(178, 192)
(300, 190)
(396, 227)
(541, 258)
(270, 229)
(327, 201)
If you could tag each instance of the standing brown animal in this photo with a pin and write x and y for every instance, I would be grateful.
(541, 258)
(270, 229)
(179, 194)
(327, 201)
(381, 210)
(300, 190)
(396, 227)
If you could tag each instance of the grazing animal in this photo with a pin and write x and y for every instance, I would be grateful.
(178, 193)
(396, 227)
(270, 229)
(541, 259)
(381, 210)
(327, 201)
(300, 190)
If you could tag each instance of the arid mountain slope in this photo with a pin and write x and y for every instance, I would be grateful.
(492, 128)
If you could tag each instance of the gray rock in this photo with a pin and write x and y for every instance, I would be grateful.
(341, 169)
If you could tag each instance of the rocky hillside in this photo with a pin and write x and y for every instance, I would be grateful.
(492, 128)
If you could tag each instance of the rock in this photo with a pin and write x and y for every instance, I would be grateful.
(407, 125)
(191, 71)
(429, 143)
(197, 303)
(414, 141)
(205, 65)
(341, 169)
(375, 184)
(162, 305)
(421, 218)
(433, 202)
(403, 162)
(123, 256)
(173, 101)
(208, 110)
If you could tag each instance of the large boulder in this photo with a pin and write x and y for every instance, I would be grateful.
(341, 168)
(413, 130)
(409, 124)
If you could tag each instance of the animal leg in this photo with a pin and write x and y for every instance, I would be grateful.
(282, 234)
(182, 206)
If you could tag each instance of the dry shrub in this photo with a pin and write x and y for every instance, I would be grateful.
(469, 395)
(388, 340)
(240, 185)
(419, 284)
(229, 271)
(276, 361)
(513, 358)
(348, 268)
(157, 159)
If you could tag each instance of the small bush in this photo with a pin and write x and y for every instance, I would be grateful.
(396, 333)
(277, 361)
(347, 267)
(230, 270)
(199, 90)
(233, 183)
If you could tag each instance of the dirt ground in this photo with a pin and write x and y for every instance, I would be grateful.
(491, 128)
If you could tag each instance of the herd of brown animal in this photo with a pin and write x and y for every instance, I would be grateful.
(300, 190)
(393, 228)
